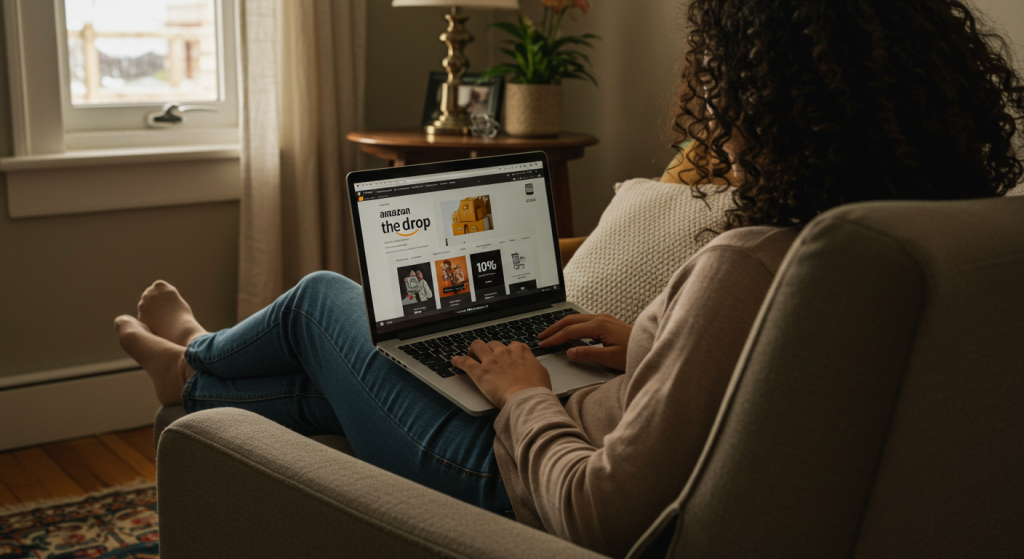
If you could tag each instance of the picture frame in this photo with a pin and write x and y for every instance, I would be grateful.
(486, 97)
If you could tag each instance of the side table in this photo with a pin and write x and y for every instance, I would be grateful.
(412, 146)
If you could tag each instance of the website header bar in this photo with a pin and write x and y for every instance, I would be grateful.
(372, 185)
(449, 183)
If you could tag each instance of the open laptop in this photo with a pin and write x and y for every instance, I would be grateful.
(463, 250)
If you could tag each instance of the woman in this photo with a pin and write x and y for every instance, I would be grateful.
(425, 292)
(801, 104)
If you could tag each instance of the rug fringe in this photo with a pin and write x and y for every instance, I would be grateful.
(138, 483)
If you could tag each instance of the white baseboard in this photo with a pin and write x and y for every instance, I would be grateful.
(67, 373)
(75, 408)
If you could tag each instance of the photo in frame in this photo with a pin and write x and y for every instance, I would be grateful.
(485, 97)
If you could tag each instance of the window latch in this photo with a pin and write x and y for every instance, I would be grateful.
(170, 115)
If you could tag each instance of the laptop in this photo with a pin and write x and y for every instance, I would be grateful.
(462, 250)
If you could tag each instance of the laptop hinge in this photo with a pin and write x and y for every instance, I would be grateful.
(458, 323)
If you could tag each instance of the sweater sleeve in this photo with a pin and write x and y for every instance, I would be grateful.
(604, 496)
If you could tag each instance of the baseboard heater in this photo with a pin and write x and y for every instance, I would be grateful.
(46, 406)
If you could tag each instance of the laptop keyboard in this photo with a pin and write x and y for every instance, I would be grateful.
(437, 353)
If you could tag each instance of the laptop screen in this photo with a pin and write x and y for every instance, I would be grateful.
(457, 240)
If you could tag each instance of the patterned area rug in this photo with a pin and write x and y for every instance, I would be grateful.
(118, 523)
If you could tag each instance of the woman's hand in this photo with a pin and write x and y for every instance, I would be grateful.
(500, 371)
(611, 332)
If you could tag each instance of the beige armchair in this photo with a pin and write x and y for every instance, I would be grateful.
(875, 412)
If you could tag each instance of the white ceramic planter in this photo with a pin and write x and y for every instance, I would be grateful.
(533, 110)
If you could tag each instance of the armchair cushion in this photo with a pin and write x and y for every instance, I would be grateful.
(645, 234)
(233, 484)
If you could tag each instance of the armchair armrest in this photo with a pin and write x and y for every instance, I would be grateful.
(568, 247)
(233, 484)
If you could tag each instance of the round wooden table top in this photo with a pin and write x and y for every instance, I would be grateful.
(415, 137)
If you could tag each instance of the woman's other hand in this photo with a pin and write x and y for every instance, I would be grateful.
(610, 331)
(500, 370)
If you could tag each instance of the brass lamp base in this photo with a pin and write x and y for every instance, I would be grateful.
(448, 127)
(454, 120)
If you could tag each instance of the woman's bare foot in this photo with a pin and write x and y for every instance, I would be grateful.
(162, 359)
(167, 315)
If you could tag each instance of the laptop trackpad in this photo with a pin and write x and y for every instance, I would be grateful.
(569, 376)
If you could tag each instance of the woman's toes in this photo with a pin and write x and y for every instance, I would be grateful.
(127, 325)
(167, 314)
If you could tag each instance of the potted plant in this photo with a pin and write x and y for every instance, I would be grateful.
(542, 58)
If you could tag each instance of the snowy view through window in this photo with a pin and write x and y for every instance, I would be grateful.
(131, 51)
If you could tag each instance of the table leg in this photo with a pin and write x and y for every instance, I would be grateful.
(562, 195)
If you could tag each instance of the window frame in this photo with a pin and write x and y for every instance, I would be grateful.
(86, 126)
(54, 172)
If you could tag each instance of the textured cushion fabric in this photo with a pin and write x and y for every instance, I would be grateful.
(169, 414)
(645, 234)
(234, 484)
(876, 409)
(164, 417)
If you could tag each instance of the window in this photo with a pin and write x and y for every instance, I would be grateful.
(89, 79)
(108, 64)
(128, 52)
(124, 60)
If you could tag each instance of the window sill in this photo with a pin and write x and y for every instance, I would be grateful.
(85, 181)
(122, 156)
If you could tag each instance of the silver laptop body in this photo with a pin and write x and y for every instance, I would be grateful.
(457, 251)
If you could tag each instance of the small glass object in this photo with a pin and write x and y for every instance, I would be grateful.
(484, 125)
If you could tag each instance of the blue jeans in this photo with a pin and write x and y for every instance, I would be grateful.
(307, 363)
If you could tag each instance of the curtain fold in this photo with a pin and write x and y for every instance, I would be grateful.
(302, 70)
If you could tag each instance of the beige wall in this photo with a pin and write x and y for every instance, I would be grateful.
(1006, 17)
(64, 279)
(402, 49)
(635, 62)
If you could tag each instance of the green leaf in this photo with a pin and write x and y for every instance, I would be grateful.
(538, 59)
(507, 27)
(570, 41)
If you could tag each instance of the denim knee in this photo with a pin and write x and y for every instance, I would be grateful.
(324, 294)
(325, 281)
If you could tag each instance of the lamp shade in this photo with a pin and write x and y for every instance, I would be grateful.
(485, 4)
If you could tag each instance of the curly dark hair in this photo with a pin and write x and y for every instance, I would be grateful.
(828, 102)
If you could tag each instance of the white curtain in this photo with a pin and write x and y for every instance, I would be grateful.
(302, 76)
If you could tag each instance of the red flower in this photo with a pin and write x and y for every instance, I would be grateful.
(560, 6)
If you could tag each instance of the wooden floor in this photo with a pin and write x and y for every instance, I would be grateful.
(76, 467)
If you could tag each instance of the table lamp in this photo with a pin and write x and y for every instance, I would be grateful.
(454, 119)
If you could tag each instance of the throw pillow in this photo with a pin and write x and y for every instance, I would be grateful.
(644, 236)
